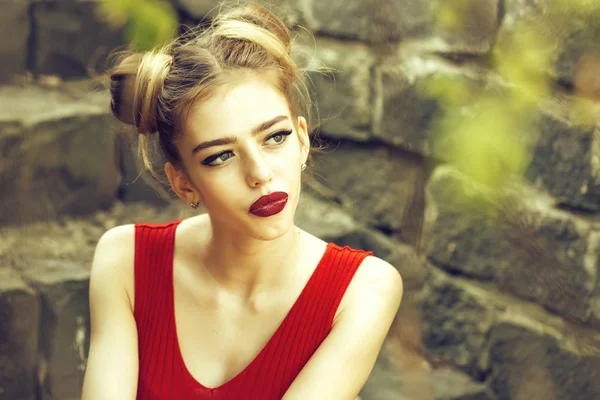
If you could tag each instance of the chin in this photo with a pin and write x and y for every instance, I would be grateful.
(271, 228)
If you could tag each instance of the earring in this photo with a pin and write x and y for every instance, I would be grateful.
(303, 166)
(195, 205)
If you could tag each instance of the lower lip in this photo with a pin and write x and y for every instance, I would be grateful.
(270, 209)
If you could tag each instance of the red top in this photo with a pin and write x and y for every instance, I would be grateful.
(162, 372)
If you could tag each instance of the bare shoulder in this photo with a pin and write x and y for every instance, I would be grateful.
(112, 365)
(379, 275)
(113, 260)
(376, 288)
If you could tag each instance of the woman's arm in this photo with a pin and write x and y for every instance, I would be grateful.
(342, 363)
(112, 365)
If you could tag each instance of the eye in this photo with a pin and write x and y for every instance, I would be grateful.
(221, 157)
(280, 136)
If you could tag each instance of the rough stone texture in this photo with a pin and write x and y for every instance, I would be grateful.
(71, 40)
(377, 21)
(387, 382)
(453, 26)
(464, 26)
(562, 150)
(72, 239)
(518, 348)
(456, 321)
(527, 248)
(14, 35)
(388, 200)
(343, 96)
(449, 384)
(324, 220)
(19, 326)
(64, 337)
(528, 363)
(409, 109)
(58, 153)
(402, 371)
(565, 162)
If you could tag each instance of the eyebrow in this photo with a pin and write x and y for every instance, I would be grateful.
(263, 126)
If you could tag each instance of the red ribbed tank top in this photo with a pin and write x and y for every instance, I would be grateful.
(162, 371)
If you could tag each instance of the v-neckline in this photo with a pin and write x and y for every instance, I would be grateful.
(269, 343)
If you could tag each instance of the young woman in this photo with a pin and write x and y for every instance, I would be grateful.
(237, 303)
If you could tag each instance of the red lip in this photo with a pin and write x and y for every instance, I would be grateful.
(270, 204)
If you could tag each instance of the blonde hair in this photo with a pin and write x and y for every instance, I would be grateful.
(154, 90)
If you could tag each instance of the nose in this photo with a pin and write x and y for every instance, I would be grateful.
(258, 171)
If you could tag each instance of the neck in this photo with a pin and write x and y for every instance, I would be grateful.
(245, 266)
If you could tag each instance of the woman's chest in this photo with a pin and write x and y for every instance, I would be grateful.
(220, 336)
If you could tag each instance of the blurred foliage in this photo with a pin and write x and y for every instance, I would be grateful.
(488, 134)
(450, 15)
(148, 23)
(576, 7)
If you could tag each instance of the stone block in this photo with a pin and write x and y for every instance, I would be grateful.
(527, 362)
(456, 320)
(19, 329)
(58, 153)
(414, 91)
(518, 241)
(15, 29)
(71, 38)
(452, 25)
(376, 21)
(64, 337)
(343, 96)
(324, 220)
(423, 100)
(382, 187)
(564, 162)
(463, 26)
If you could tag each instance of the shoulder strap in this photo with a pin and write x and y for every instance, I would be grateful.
(154, 248)
(309, 321)
(341, 268)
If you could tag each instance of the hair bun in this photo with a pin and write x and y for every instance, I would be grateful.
(136, 83)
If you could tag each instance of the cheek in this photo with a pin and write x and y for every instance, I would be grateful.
(216, 188)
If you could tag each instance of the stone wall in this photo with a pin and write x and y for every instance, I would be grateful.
(502, 291)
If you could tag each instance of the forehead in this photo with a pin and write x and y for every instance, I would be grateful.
(236, 107)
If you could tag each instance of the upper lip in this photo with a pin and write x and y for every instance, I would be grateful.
(268, 199)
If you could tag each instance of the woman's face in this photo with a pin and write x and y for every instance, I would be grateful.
(242, 144)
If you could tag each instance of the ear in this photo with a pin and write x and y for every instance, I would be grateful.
(181, 184)
(304, 138)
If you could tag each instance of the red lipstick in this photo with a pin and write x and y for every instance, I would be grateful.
(270, 204)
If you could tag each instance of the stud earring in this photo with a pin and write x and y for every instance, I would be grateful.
(195, 205)
(303, 166)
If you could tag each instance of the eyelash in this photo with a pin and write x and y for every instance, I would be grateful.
(209, 160)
